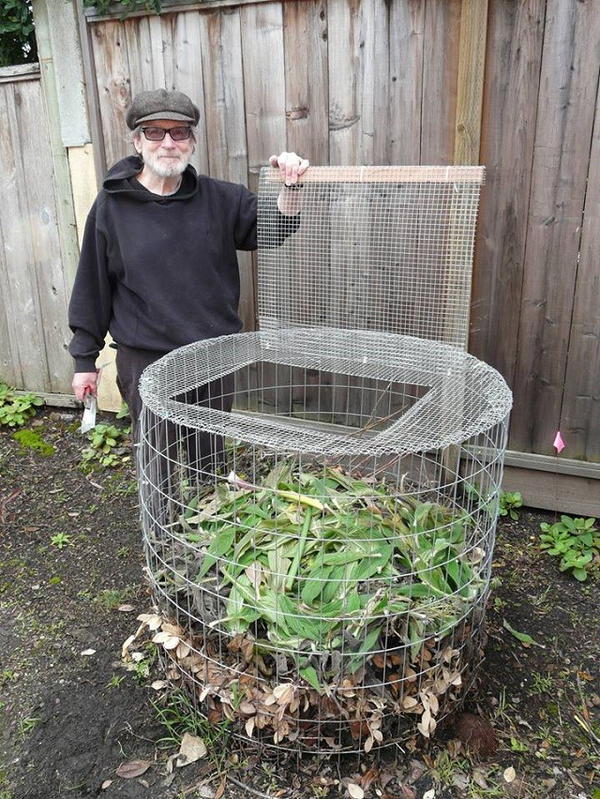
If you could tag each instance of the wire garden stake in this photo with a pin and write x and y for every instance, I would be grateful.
(320, 555)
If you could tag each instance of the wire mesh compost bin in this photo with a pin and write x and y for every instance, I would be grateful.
(320, 554)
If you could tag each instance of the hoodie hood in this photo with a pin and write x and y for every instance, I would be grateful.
(118, 181)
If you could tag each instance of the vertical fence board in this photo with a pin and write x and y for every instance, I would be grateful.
(561, 157)
(224, 112)
(358, 102)
(264, 96)
(221, 45)
(264, 83)
(10, 264)
(20, 289)
(471, 68)
(114, 90)
(580, 418)
(306, 100)
(440, 75)
(374, 99)
(407, 22)
(188, 75)
(344, 58)
(47, 273)
(515, 37)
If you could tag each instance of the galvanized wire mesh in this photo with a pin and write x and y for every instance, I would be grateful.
(379, 248)
(320, 554)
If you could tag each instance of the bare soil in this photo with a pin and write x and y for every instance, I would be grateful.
(70, 720)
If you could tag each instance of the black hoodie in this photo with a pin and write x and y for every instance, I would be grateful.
(161, 272)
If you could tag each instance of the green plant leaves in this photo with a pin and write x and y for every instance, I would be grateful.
(575, 541)
(16, 409)
(305, 559)
(524, 638)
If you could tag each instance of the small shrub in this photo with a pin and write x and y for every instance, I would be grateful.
(16, 409)
(575, 541)
(17, 36)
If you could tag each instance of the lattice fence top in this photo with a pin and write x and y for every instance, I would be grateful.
(378, 248)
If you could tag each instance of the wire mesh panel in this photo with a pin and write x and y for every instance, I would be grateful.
(378, 248)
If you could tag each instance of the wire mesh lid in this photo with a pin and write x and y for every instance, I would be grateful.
(461, 396)
(378, 248)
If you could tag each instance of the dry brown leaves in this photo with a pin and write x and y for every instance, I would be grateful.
(246, 690)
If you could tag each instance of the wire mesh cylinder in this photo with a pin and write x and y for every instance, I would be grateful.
(321, 553)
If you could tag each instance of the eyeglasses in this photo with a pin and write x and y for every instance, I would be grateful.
(158, 134)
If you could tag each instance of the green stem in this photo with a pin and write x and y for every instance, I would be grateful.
(300, 551)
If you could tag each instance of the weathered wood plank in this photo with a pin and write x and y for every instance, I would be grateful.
(264, 83)
(580, 416)
(374, 101)
(91, 86)
(48, 265)
(344, 58)
(407, 23)
(19, 72)
(134, 38)
(471, 68)
(515, 37)
(306, 100)
(56, 400)
(19, 289)
(110, 40)
(558, 492)
(187, 74)
(440, 75)
(225, 119)
(264, 97)
(83, 183)
(221, 47)
(553, 463)
(561, 159)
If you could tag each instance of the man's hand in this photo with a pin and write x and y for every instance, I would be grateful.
(84, 383)
(290, 166)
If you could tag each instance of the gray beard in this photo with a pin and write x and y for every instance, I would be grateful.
(167, 169)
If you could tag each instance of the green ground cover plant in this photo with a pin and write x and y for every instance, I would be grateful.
(106, 448)
(17, 409)
(575, 541)
(509, 502)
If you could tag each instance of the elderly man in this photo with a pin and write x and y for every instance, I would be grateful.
(158, 265)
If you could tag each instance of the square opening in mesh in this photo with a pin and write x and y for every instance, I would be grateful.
(321, 397)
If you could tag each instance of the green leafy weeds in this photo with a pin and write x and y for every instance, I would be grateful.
(575, 541)
(106, 447)
(16, 409)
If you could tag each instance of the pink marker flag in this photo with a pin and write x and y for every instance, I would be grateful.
(558, 444)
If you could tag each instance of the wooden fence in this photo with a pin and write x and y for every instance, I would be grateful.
(34, 284)
(512, 84)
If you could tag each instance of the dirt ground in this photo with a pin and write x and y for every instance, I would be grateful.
(70, 720)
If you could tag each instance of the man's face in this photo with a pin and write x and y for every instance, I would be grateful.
(166, 158)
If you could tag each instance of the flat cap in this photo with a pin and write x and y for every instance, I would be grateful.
(161, 104)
